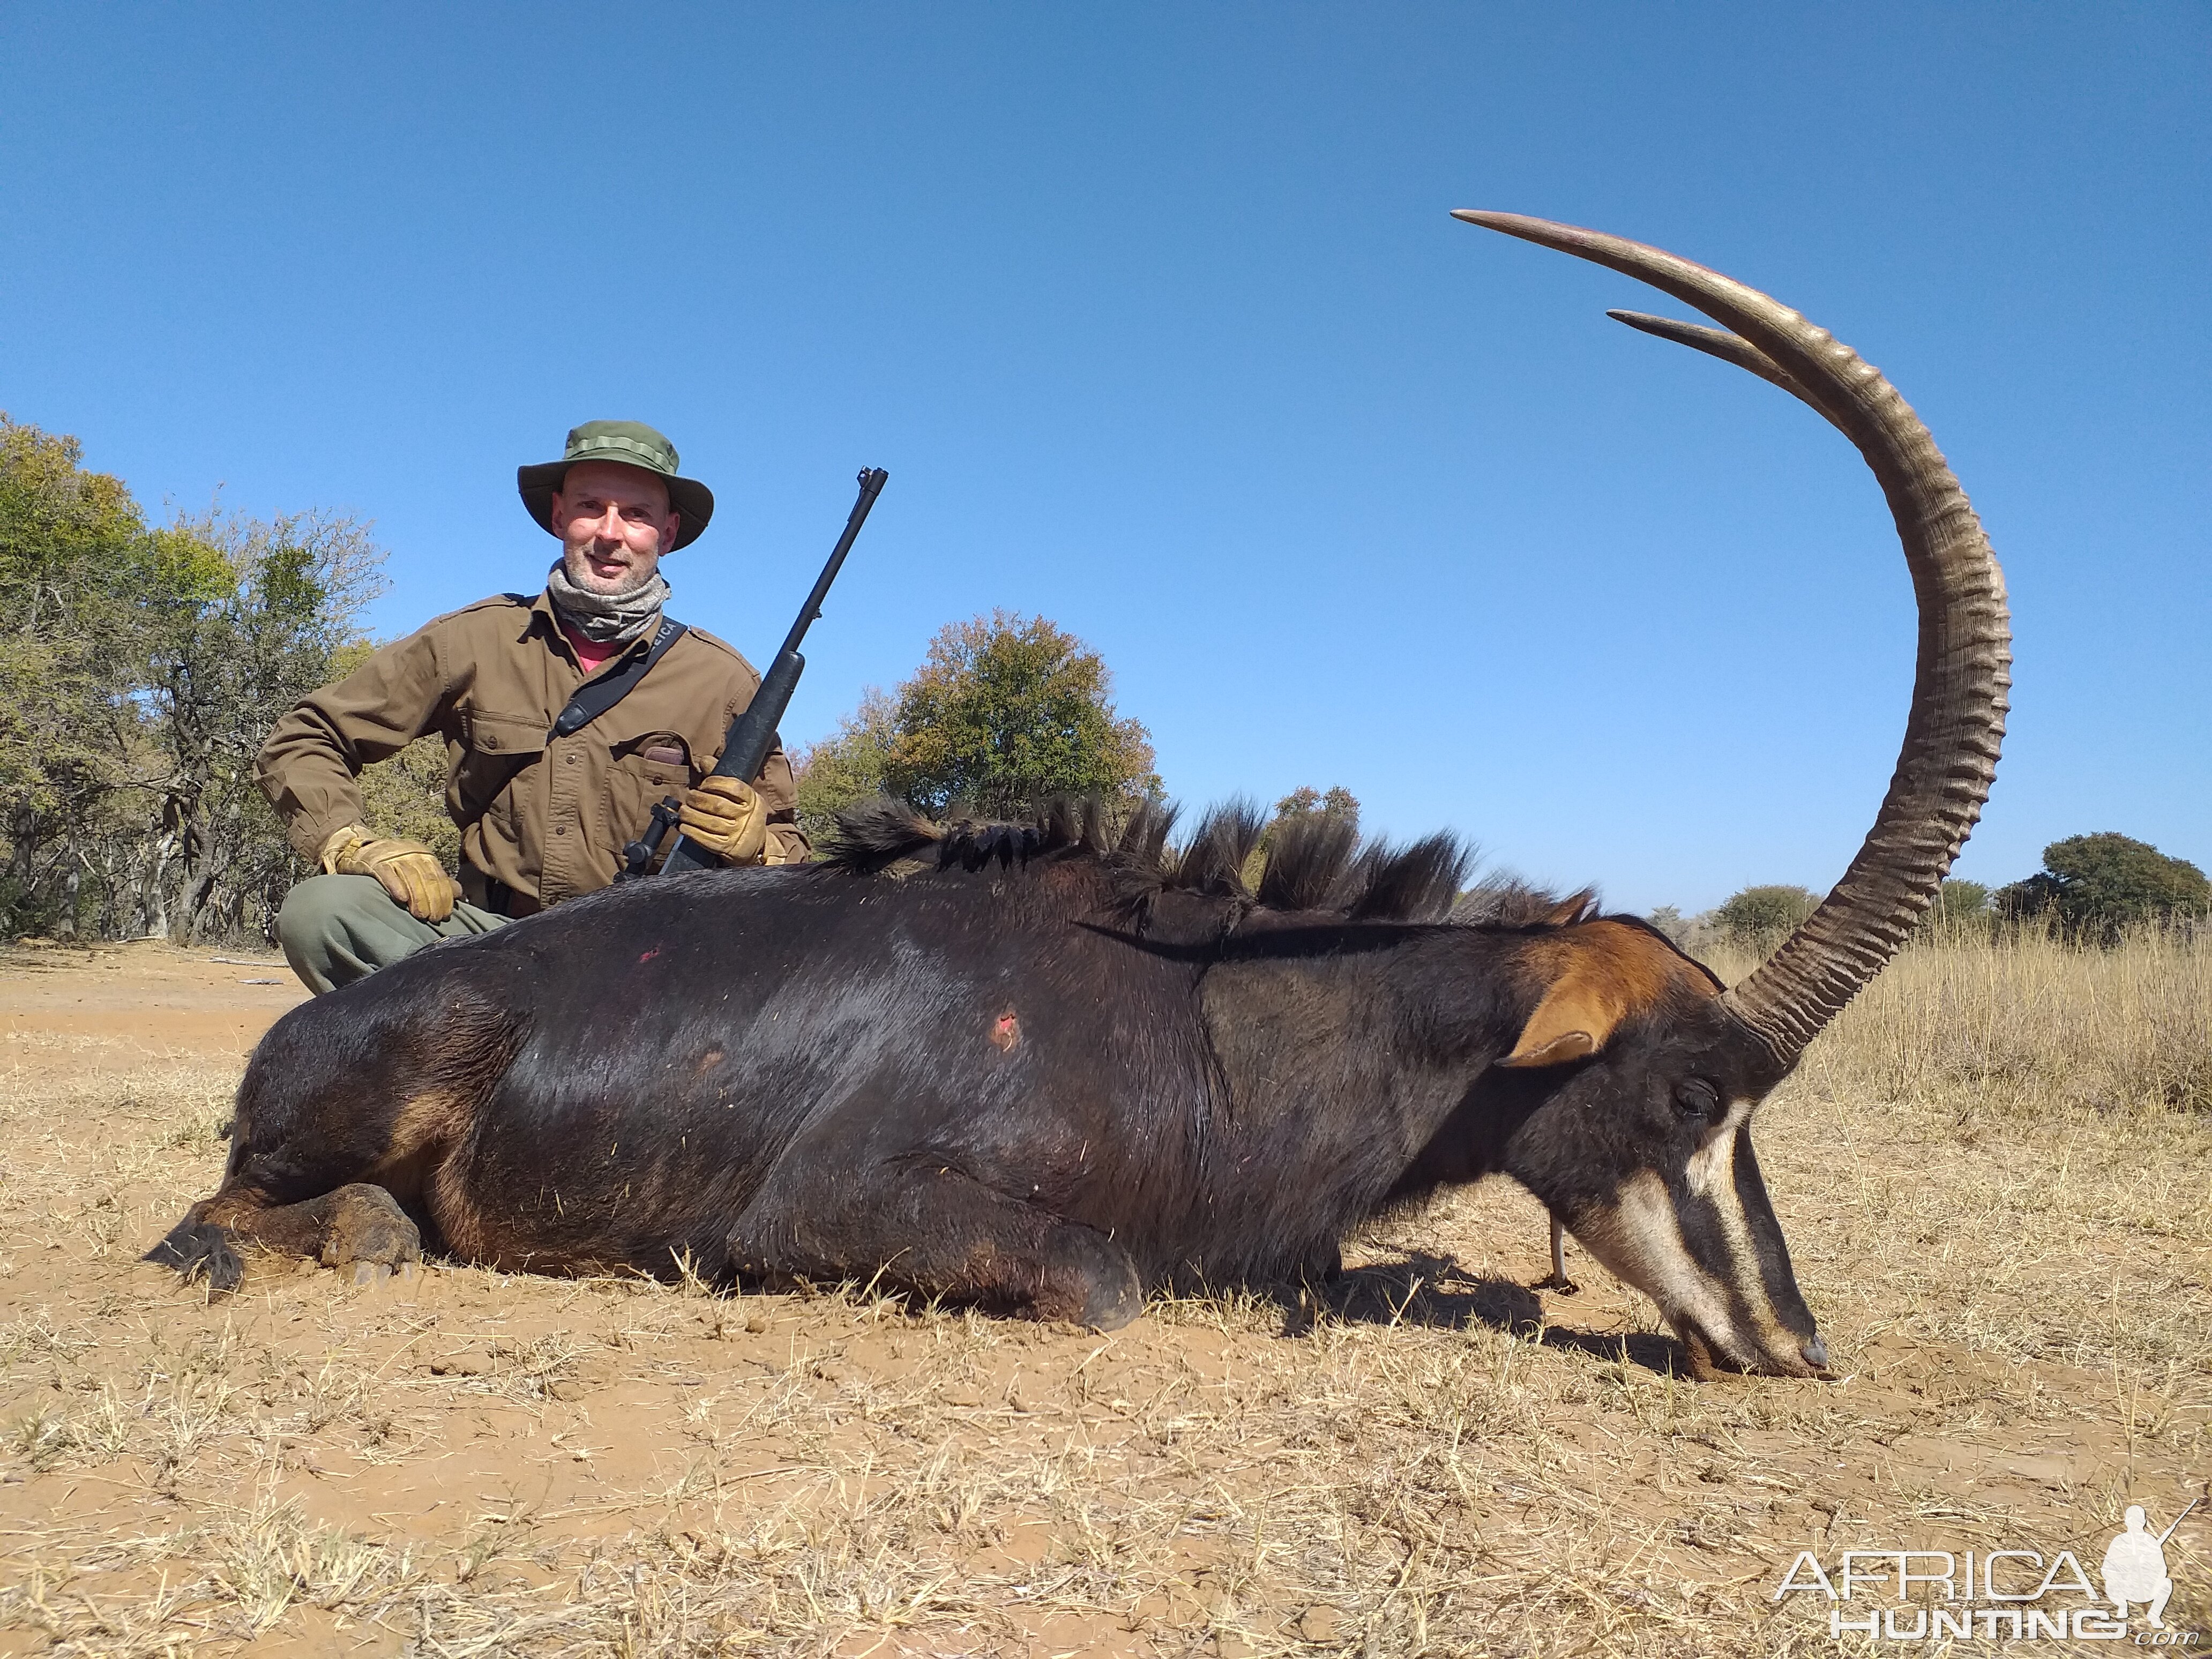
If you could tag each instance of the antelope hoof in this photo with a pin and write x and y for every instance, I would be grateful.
(370, 1232)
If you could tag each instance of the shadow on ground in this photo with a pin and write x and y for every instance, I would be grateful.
(1435, 1292)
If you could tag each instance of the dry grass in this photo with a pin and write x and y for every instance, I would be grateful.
(2025, 1023)
(1997, 1200)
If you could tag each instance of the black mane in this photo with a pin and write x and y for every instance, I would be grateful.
(1312, 864)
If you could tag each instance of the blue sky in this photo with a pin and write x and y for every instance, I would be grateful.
(1157, 319)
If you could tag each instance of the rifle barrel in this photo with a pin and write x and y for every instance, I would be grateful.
(2177, 1519)
(872, 486)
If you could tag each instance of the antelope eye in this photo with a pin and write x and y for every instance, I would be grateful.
(1695, 1097)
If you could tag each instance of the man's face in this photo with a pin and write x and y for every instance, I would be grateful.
(613, 521)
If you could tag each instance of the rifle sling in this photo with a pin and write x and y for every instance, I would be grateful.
(594, 698)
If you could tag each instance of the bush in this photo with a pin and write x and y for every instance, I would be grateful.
(2096, 885)
(1761, 915)
(1004, 713)
(1007, 711)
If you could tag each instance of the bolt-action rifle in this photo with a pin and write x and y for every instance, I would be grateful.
(754, 730)
(2177, 1519)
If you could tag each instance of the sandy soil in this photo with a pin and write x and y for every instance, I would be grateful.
(1441, 1460)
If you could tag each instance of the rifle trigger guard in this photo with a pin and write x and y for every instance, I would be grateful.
(638, 855)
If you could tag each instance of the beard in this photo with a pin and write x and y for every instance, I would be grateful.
(578, 565)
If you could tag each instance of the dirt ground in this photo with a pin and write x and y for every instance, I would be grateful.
(1440, 1460)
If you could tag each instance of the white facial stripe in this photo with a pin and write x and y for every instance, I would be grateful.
(1711, 1176)
(1644, 1234)
(1735, 1227)
(1713, 1164)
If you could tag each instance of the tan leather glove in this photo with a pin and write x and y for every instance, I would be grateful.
(407, 870)
(726, 816)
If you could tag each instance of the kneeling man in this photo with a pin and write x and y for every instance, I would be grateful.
(566, 716)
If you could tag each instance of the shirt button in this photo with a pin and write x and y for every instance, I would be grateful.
(560, 828)
(572, 760)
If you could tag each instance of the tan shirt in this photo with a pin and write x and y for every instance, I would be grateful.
(547, 817)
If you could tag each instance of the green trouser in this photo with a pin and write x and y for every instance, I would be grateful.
(336, 929)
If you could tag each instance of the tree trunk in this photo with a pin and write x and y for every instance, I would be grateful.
(156, 888)
(65, 926)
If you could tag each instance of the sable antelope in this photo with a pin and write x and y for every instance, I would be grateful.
(1023, 1067)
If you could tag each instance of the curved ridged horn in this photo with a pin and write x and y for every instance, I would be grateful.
(1965, 669)
(1716, 343)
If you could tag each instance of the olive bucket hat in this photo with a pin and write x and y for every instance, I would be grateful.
(633, 444)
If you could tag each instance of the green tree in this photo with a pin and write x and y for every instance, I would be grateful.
(75, 568)
(1308, 802)
(139, 669)
(849, 766)
(1761, 915)
(277, 604)
(2097, 884)
(1004, 712)
(1304, 803)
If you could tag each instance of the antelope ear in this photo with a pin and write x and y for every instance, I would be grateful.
(1576, 906)
(1593, 975)
(1570, 1022)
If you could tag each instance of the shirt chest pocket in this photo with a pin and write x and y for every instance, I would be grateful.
(499, 747)
(642, 772)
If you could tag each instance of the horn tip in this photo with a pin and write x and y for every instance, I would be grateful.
(1490, 219)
